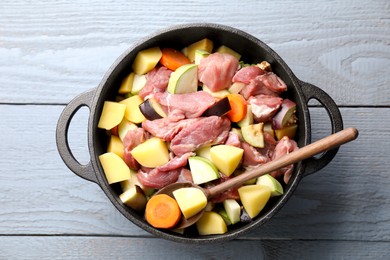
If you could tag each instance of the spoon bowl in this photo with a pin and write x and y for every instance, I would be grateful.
(303, 153)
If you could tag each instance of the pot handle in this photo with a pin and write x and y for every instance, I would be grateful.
(310, 91)
(84, 171)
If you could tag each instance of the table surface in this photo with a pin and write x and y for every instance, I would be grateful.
(53, 50)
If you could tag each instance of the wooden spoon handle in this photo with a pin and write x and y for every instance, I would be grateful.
(303, 153)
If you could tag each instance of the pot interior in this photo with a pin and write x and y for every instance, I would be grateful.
(252, 51)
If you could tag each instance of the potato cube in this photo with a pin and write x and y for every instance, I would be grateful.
(132, 112)
(112, 114)
(254, 198)
(115, 145)
(225, 49)
(190, 200)
(151, 153)
(114, 167)
(146, 60)
(226, 158)
(127, 84)
(134, 197)
(211, 223)
(204, 44)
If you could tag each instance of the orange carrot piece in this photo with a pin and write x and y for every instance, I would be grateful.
(238, 107)
(173, 59)
(162, 211)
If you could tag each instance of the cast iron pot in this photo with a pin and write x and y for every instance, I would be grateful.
(252, 51)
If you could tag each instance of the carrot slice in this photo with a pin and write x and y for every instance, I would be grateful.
(162, 211)
(173, 59)
(238, 107)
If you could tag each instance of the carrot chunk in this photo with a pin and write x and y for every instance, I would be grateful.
(162, 211)
(173, 59)
(238, 107)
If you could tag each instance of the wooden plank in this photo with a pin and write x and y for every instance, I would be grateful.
(64, 247)
(343, 48)
(38, 247)
(347, 200)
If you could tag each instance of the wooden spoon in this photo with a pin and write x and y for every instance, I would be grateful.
(303, 153)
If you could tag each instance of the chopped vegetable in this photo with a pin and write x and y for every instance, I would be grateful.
(211, 223)
(132, 112)
(152, 153)
(146, 60)
(204, 44)
(191, 200)
(114, 167)
(238, 107)
(220, 108)
(152, 110)
(112, 114)
(127, 84)
(173, 59)
(162, 211)
(184, 80)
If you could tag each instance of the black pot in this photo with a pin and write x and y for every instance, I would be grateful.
(252, 50)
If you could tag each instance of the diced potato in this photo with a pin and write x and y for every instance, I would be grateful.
(204, 44)
(191, 201)
(115, 145)
(127, 84)
(254, 198)
(132, 112)
(114, 168)
(226, 157)
(211, 223)
(225, 49)
(134, 198)
(146, 60)
(112, 115)
(151, 153)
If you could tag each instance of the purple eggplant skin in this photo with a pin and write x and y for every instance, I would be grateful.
(244, 217)
(281, 118)
(151, 109)
(220, 108)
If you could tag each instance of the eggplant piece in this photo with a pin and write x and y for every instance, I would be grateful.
(286, 111)
(253, 134)
(288, 131)
(244, 217)
(152, 110)
(220, 108)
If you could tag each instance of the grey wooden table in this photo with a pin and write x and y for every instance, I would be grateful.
(50, 51)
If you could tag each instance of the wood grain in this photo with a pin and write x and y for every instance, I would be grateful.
(52, 51)
(71, 247)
